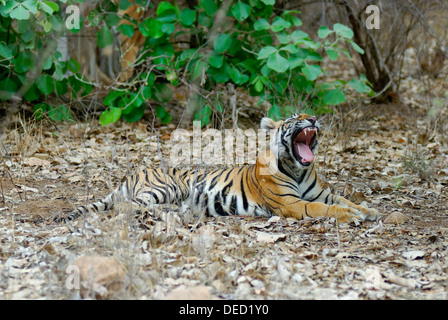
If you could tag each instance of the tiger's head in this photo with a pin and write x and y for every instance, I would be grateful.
(294, 140)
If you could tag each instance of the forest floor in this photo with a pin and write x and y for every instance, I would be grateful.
(391, 157)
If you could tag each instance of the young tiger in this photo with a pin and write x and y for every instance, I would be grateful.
(282, 182)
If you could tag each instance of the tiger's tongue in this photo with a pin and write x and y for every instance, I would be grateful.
(305, 152)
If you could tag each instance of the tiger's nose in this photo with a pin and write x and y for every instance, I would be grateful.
(312, 119)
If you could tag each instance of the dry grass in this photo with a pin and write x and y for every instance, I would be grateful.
(236, 257)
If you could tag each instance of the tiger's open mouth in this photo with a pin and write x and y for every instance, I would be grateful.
(302, 144)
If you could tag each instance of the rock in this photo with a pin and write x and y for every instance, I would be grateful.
(396, 217)
(193, 293)
(102, 275)
(265, 237)
(414, 254)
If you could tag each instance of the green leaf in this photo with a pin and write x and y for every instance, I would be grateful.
(32, 93)
(124, 4)
(357, 47)
(198, 68)
(333, 54)
(146, 93)
(296, 21)
(266, 52)
(311, 72)
(49, 7)
(168, 28)
(5, 51)
(40, 109)
(104, 37)
(220, 75)
(48, 63)
(24, 26)
(277, 63)
(163, 115)
(236, 75)
(7, 7)
(358, 85)
(295, 61)
(268, 2)
(291, 48)
(61, 87)
(110, 99)
(258, 84)
(78, 85)
(343, 31)
(25, 61)
(261, 24)
(241, 11)
(204, 20)
(151, 28)
(324, 32)
(187, 16)
(334, 97)
(204, 116)
(298, 35)
(283, 37)
(314, 56)
(73, 65)
(163, 92)
(61, 113)
(126, 29)
(112, 19)
(31, 5)
(222, 43)
(280, 24)
(275, 113)
(210, 7)
(47, 26)
(45, 83)
(132, 113)
(20, 13)
(160, 112)
(216, 60)
(7, 89)
(111, 115)
(166, 12)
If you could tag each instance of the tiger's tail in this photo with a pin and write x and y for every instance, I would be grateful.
(153, 186)
(104, 204)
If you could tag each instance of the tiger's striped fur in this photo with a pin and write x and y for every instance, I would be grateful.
(282, 182)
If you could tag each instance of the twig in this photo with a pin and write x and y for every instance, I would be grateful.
(3, 195)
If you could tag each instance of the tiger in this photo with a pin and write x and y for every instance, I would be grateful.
(282, 182)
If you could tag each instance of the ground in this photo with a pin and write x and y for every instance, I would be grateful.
(384, 158)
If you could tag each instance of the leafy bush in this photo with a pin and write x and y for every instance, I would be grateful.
(255, 48)
(244, 42)
(30, 65)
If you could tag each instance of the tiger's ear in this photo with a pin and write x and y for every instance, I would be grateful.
(269, 124)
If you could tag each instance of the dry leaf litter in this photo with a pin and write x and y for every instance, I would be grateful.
(169, 252)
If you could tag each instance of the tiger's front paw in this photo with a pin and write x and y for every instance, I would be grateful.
(358, 213)
(344, 213)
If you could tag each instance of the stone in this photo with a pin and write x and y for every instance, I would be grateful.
(192, 293)
(102, 275)
(396, 217)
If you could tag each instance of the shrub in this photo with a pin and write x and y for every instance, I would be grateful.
(30, 63)
(245, 42)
